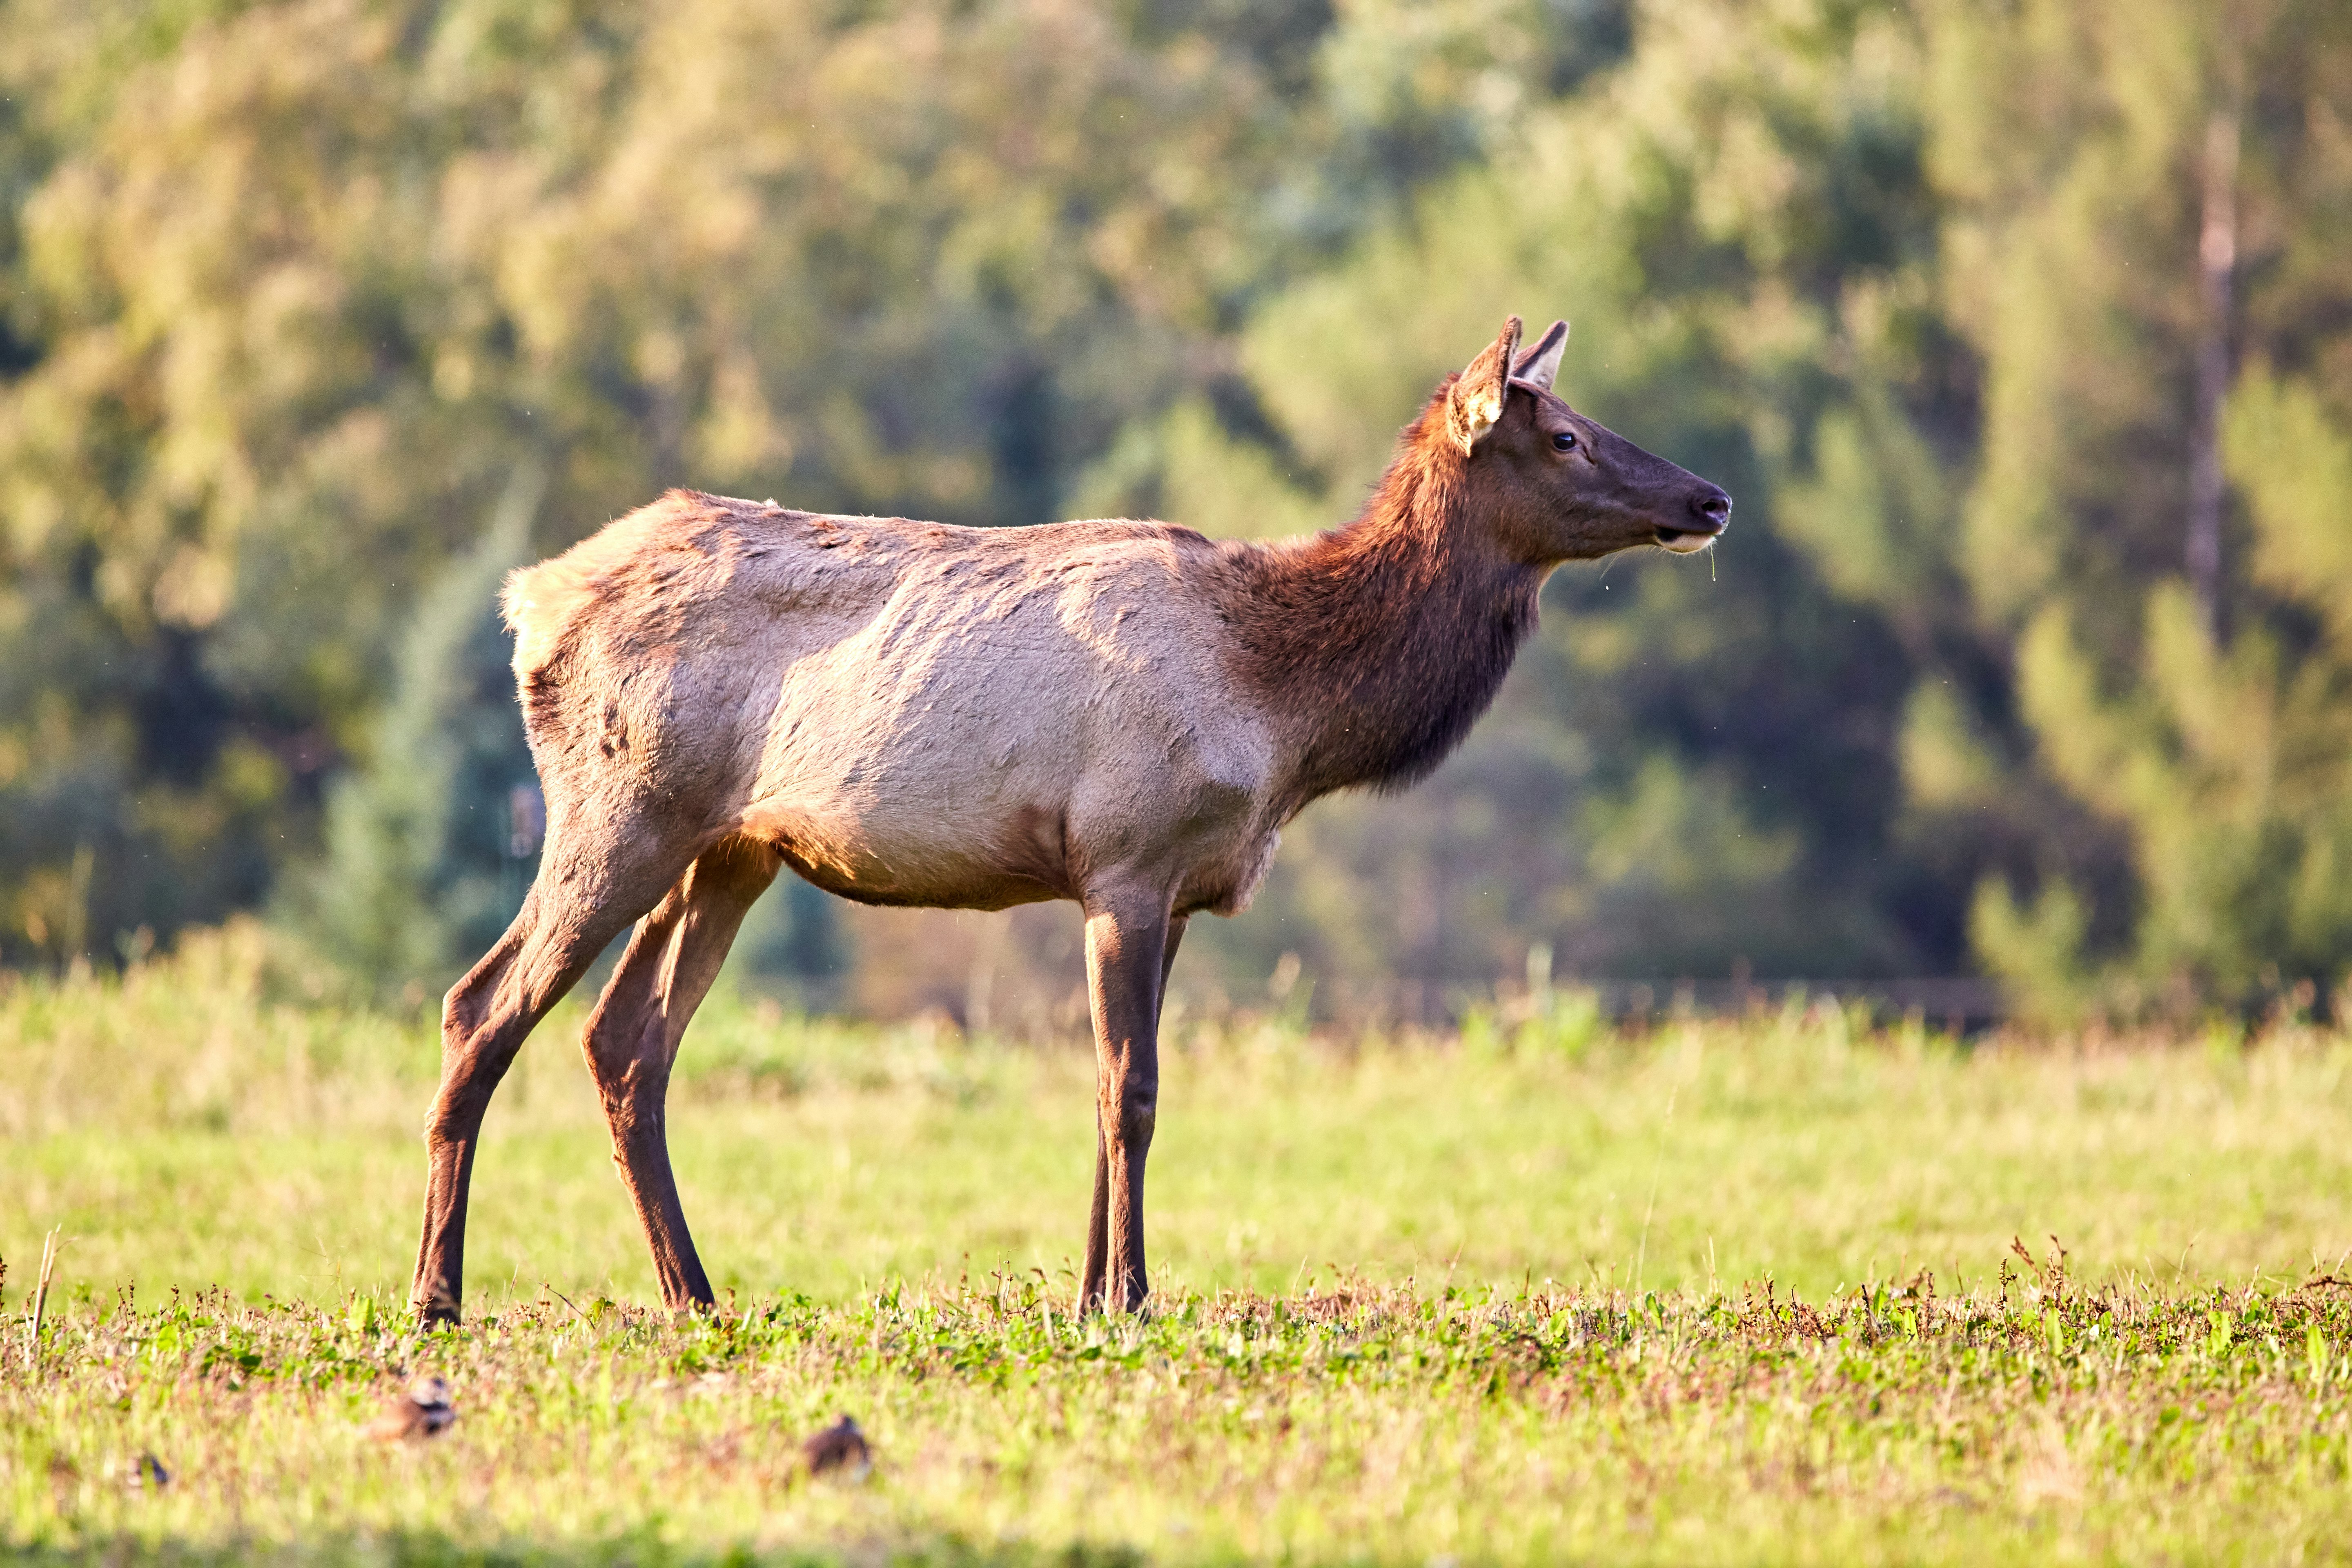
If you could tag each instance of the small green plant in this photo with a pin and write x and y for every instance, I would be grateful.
(1312, 1426)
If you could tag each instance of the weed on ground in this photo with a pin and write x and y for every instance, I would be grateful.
(2037, 1419)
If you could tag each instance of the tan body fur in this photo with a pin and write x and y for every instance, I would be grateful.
(909, 713)
(1119, 713)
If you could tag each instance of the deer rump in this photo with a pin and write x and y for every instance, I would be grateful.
(905, 712)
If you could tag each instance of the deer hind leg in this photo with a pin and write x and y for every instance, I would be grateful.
(586, 894)
(633, 1038)
(1130, 945)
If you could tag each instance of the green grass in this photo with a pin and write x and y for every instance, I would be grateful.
(1539, 1291)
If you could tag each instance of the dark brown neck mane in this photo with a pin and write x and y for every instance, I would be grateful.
(1382, 643)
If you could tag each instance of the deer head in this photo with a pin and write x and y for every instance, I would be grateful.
(1556, 485)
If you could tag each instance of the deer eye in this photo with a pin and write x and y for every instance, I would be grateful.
(1564, 441)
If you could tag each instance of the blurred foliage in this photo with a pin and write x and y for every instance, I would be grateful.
(2097, 158)
(426, 852)
(296, 290)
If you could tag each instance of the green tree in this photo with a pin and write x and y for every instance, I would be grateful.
(2140, 198)
(427, 843)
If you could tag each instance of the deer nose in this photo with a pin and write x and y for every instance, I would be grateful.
(1713, 507)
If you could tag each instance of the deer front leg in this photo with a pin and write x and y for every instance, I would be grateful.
(1130, 944)
(1099, 1222)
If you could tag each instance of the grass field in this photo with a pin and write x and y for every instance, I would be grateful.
(1725, 1291)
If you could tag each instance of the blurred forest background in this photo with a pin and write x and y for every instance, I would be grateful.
(2021, 330)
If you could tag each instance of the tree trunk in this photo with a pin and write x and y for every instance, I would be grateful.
(2217, 257)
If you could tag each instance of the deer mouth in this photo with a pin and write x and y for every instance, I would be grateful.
(1684, 540)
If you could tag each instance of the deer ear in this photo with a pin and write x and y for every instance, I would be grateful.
(1476, 403)
(1540, 364)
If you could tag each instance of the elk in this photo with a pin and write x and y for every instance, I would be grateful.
(1124, 714)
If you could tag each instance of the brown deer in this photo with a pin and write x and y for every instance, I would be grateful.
(1120, 713)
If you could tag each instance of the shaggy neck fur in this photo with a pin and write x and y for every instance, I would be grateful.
(1379, 643)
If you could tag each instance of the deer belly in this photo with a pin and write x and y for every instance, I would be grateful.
(1030, 774)
(986, 852)
(941, 854)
